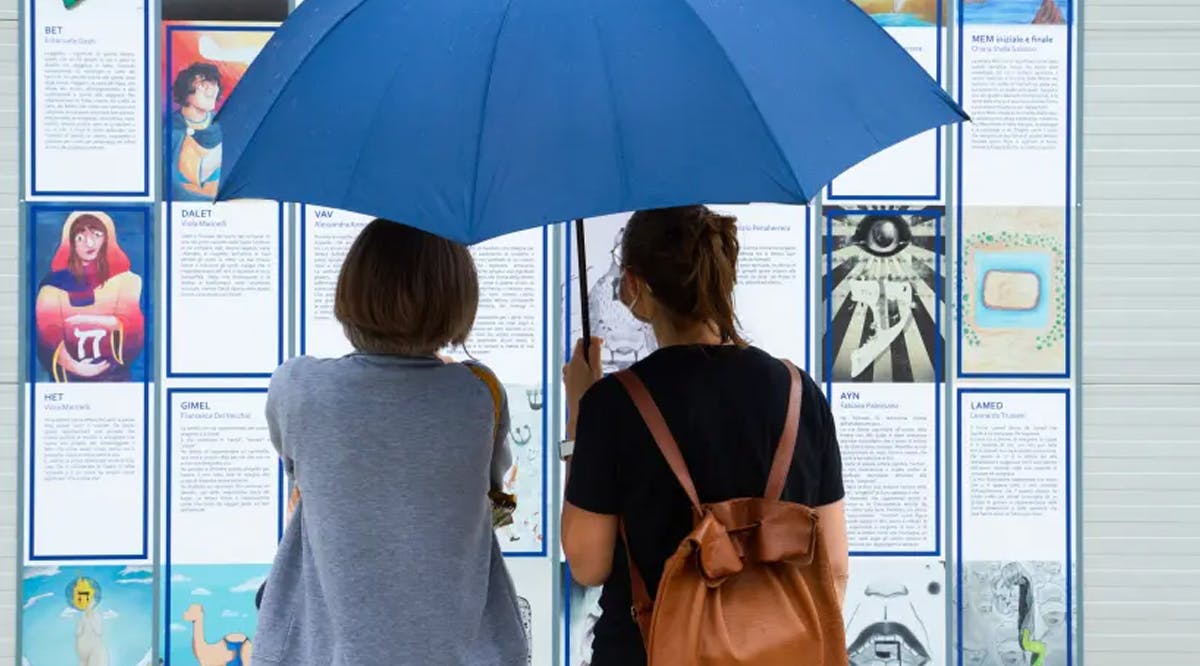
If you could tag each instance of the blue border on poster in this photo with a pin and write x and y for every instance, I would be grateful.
(303, 307)
(171, 29)
(941, 26)
(939, 354)
(168, 465)
(568, 584)
(31, 259)
(571, 285)
(1068, 208)
(1068, 565)
(146, 133)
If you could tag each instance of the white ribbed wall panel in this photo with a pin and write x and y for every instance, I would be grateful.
(1141, 352)
(9, 265)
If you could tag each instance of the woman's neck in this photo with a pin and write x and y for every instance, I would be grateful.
(668, 335)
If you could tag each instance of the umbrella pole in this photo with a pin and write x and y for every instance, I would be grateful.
(584, 315)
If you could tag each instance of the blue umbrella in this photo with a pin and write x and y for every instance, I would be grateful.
(471, 119)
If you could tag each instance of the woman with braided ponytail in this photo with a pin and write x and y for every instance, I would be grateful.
(723, 400)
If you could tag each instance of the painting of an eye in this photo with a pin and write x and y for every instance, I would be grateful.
(882, 235)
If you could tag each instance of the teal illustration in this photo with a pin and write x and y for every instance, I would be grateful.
(1029, 270)
(907, 13)
(87, 615)
(211, 616)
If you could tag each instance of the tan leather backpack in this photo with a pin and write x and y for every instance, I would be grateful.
(751, 583)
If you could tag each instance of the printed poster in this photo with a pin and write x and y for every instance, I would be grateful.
(1015, 182)
(895, 612)
(88, 614)
(1015, 530)
(1013, 291)
(1016, 85)
(509, 336)
(326, 237)
(224, 513)
(582, 613)
(225, 262)
(889, 438)
(884, 295)
(211, 617)
(87, 99)
(909, 170)
(87, 456)
(224, 478)
(534, 582)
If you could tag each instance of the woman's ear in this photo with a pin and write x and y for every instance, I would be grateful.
(635, 295)
(626, 289)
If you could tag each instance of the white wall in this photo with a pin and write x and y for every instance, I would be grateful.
(9, 265)
(1141, 350)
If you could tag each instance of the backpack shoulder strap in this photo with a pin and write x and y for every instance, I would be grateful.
(786, 448)
(642, 605)
(661, 433)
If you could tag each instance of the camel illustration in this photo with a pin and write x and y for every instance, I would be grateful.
(232, 650)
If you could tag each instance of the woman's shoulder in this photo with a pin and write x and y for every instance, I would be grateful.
(489, 380)
(765, 378)
(296, 364)
(481, 370)
(300, 370)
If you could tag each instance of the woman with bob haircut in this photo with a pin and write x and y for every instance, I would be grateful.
(390, 556)
(724, 400)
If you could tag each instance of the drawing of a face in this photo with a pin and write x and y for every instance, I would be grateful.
(83, 593)
(976, 646)
(205, 96)
(89, 241)
(974, 656)
(1051, 606)
(1010, 652)
(885, 629)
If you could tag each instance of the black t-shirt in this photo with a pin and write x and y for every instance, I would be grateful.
(725, 406)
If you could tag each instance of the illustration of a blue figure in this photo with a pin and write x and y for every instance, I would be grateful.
(232, 650)
(195, 159)
(83, 595)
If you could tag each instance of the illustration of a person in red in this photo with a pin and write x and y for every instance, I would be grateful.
(90, 325)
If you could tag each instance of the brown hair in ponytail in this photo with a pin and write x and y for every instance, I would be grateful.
(688, 257)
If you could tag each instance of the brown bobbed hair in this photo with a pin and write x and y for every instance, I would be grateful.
(687, 256)
(405, 291)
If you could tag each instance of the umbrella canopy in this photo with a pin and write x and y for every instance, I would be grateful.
(471, 119)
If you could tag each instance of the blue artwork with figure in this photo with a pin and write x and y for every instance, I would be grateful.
(87, 615)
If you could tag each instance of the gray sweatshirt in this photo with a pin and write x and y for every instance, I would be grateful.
(390, 559)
